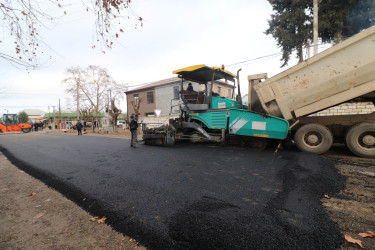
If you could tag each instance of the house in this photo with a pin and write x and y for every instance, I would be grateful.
(64, 120)
(164, 94)
(35, 115)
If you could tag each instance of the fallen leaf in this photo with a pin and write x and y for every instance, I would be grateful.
(327, 196)
(349, 238)
(102, 220)
(38, 215)
(368, 234)
(94, 218)
(32, 194)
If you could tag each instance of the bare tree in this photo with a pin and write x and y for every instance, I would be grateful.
(115, 112)
(90, 88)
(23, 20)
(136, 103)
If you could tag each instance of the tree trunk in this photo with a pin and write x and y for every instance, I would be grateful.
(300, 53)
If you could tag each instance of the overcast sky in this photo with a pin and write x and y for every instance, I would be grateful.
(175, 34)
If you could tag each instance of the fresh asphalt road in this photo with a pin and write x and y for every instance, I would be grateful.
(188, 196)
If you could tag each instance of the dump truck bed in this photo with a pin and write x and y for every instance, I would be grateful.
(337, 75)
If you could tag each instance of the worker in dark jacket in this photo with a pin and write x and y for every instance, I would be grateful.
(133, 125)
(190, 87)
(79, 127)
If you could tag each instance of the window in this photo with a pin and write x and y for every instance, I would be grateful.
(229, 93)
(135, 96)
(150, 114)
(176, 92)
(219, 90)
(150, 97)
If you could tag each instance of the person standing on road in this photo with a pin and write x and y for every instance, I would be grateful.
(79, 127)
(133, 125)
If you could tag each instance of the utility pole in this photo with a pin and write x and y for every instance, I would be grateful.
(316, 10)
(49, 116)
(54, 118)
(308, 47)
(59, 114)
(77, 101)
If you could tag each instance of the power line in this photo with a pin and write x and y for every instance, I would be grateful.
(270, 56)
(24, 106)
(20, 93)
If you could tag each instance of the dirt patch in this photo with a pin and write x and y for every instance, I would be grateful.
(353, 209)
(47, 220)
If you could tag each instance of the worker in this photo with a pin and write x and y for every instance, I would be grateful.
(190, 87)
(79, 127)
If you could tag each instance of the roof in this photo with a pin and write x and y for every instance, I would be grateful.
(203, 73)
(156, 84)
(166, 82)
(34, 112)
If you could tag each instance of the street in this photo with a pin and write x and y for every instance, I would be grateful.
(189, 196)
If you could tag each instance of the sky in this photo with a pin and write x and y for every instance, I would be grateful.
(175, 34)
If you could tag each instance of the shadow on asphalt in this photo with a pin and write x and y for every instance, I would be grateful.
(189, 196)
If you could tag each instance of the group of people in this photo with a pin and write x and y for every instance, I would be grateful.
(36, 126)
(133, 125)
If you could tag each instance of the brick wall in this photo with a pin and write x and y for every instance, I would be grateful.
(348, 109)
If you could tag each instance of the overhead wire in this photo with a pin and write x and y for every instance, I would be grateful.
(270, 56)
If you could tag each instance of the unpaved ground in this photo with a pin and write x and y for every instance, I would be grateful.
(47, 220)
(353, 209)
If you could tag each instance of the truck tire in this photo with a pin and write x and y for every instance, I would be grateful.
(26, 130)
(360, 139)
(313, 138)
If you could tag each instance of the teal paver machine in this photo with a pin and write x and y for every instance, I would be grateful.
(206, 116)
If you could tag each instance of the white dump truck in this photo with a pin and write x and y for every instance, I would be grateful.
(343, 73)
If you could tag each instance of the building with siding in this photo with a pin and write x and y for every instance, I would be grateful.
(161, 94)
(66, 120)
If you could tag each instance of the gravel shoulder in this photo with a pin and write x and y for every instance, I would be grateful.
(353, 209)
(48, 220)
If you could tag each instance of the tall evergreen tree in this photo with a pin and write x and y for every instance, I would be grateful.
(338, 18)
(291, 26)
(291, 22)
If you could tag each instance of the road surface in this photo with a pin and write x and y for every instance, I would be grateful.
(188, 196)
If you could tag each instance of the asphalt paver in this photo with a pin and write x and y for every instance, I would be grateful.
(189, 196)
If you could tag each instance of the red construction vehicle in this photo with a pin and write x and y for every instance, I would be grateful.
(10, 123)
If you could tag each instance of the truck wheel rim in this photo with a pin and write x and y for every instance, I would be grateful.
(367, 140)
(312, 139)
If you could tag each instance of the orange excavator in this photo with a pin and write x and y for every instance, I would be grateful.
(10, 123)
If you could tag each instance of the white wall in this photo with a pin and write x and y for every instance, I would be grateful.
(164, 95)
